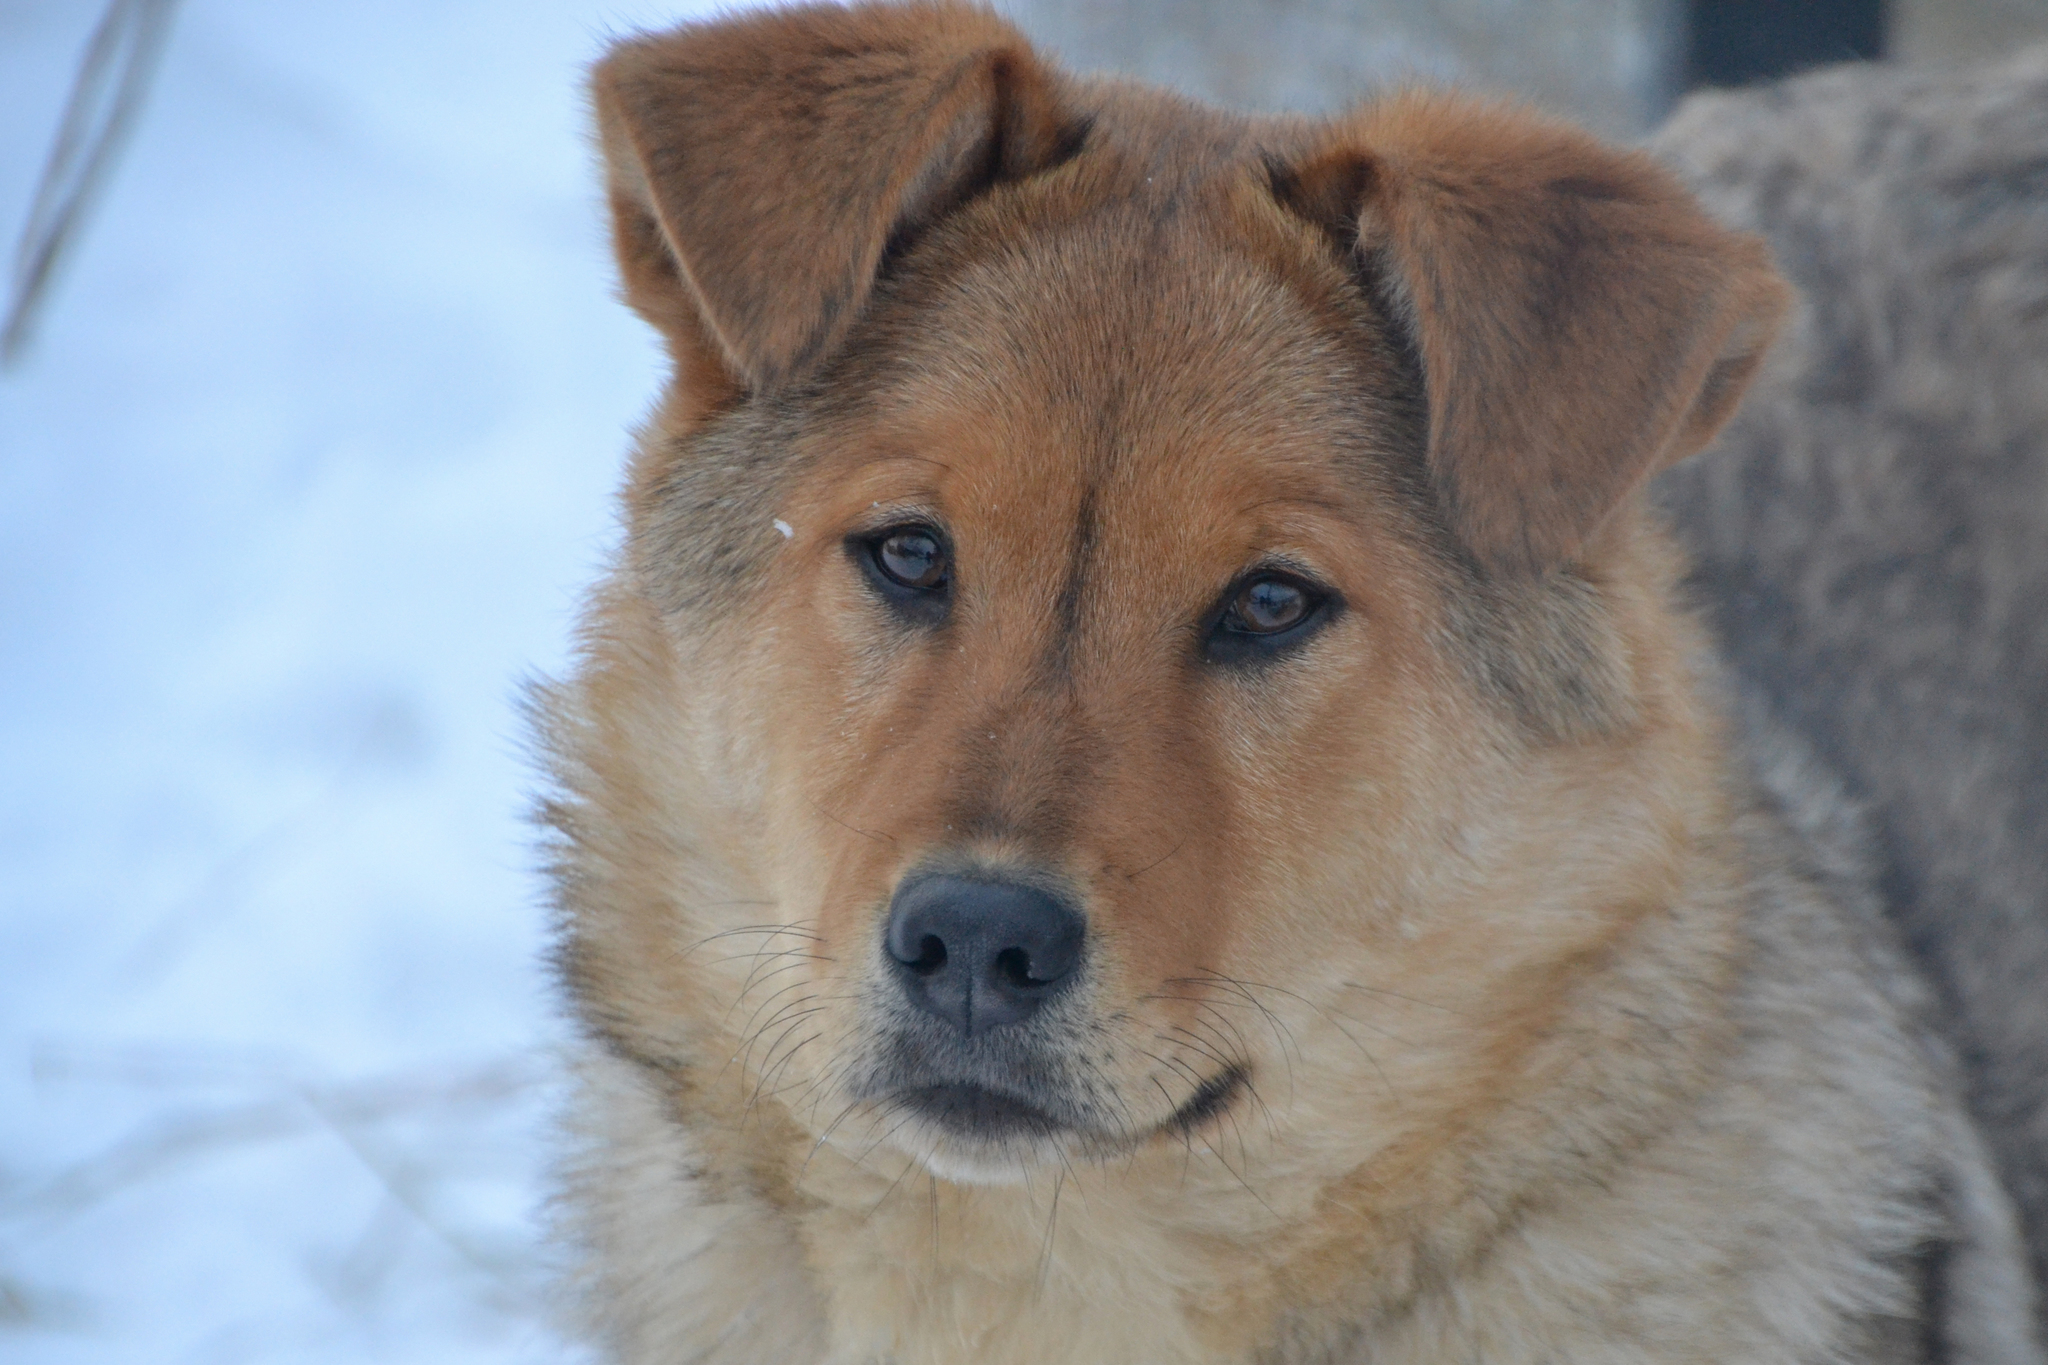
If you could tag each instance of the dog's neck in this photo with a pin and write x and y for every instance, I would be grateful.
(1120, 1262)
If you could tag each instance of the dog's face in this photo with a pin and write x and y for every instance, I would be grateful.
(1127, 590)
(1075, 662)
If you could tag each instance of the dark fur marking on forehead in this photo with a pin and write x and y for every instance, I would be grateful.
(1066, 613)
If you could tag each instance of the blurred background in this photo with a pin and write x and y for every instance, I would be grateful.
(315, 395)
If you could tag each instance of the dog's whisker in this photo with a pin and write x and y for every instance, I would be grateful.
(759, 977)
(771, 954)
(761, 960)
(1211, 1018)
(1052, 1219)
(771, 1091)
(893, 1129)
(792, 929)
(910, 1164)
(1397, 995)
(823, 1138)
(1201, 1045)
(864, 833)
(770, 1067)
(1224, 1162)
(1133, 876)
(752, 1033)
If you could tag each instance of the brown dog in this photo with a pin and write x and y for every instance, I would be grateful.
(1138, 792)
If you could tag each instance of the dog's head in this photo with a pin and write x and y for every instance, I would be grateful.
(1133, 619)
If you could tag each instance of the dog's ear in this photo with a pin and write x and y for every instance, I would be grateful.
(1578, 321)
(761, 166)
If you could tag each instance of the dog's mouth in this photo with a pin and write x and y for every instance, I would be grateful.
(972, 1111)
(1210, 1099)
(977, 1114)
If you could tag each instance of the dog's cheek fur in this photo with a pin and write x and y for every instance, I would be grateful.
(668, 916)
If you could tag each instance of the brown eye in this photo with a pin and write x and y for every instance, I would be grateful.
(912, 557)
(1266, 606)
(1266, 615)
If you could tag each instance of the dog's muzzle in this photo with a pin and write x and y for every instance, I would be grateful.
(973, 959)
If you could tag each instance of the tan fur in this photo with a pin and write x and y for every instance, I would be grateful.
(1550, 1049)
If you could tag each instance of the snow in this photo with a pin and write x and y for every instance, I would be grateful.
(303, 473)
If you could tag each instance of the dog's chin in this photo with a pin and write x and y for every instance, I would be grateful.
(962, 1163)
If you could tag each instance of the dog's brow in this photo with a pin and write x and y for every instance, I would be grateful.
(898, 457)
(1294, 500)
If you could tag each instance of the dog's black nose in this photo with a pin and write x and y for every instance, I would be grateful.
(980, 955)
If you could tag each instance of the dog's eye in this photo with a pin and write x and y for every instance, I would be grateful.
(910, 568)
(1266, 606)
(912, 557)
(1264, 615)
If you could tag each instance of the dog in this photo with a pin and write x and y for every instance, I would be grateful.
(1870, 535)
(1142, 788)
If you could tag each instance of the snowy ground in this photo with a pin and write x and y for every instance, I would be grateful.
(304, 472)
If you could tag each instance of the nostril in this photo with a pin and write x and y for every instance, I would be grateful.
(1014, 966)
(931, 955)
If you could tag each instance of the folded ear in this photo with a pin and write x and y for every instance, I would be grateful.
(1579, 322)
(760, 166)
